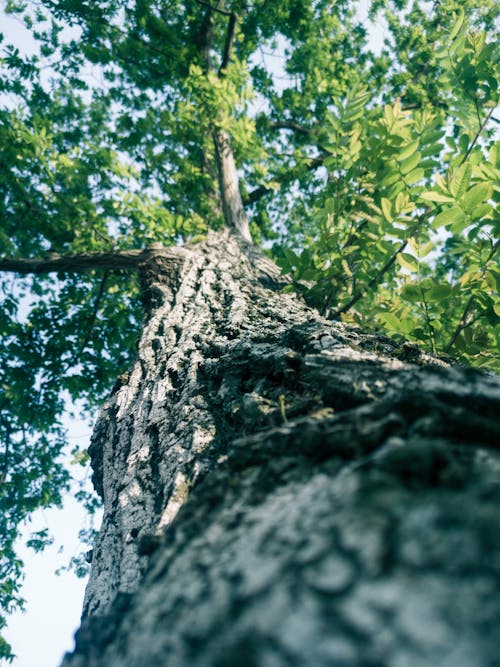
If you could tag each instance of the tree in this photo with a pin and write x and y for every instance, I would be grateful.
(293, 460)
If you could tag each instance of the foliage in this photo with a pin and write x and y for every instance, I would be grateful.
(369, 174)
(405, 233)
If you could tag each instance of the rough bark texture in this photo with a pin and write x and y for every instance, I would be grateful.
(232, 203)
(117, 259)
(280, 490)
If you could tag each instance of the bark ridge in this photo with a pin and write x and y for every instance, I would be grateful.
(280, 489)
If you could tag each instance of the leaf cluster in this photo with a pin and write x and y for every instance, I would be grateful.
(405, 233)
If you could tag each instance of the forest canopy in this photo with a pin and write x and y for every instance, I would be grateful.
(364, 141)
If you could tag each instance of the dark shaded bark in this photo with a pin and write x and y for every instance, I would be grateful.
(283, 490)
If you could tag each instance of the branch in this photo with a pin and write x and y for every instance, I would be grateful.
(6, 454)
(119, 259)
(93, 317)
(359, 295)
(214, 9)
(478, 134)
(228, 46)
(285, 177)
(290, 125)
(256, 194)
(204, 38)
(464, 323)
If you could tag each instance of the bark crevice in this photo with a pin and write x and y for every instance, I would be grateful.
(282, 489)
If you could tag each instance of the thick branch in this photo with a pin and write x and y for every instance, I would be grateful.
(228, 46)
(214, 9)
(204, 38)
(232, 203)
(120, 259)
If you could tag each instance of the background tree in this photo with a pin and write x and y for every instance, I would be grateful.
(160, 120)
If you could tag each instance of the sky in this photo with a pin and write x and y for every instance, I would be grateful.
(44, 632)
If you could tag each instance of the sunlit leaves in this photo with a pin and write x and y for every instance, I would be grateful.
(375, 174)
(407, 232)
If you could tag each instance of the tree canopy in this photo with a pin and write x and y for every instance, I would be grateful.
(369, 174)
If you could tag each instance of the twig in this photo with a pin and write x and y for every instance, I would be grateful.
(428, 320)
(95, 310)
(5, 462)
(286, 177)
(478, 134)
(290, 125)
(228, 46)
(463, 324)
(214, 9)
(359, 295)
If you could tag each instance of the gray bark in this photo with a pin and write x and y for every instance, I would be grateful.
(232, 203)
(281, 490)
(116, 259)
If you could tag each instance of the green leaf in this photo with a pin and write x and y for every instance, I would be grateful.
(330, 205)
(433, 136)
(391, 178)
(460, 178)
(447, 217)
(410, 163)
(387, 209)
(291, 257)
(350, 115)
(411, 292)
(414, 176)
(408, 150)
(478, 194)
(432, 195)
(421, 250)
(391, 320)
(425, 249)
(459, 23)
(407, 261)
(459, 225)
(438, 291)
(494, 155)
(433, 149)
(493, 279)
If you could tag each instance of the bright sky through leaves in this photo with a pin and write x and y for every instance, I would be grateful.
(371, 176)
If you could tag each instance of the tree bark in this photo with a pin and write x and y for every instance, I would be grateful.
(233, 209)
(281, 490)
(232, 202)
(117, 259)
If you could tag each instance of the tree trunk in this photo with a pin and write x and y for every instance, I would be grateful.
(283, 490)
